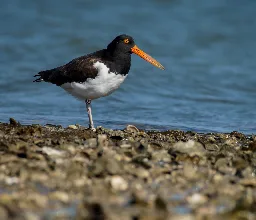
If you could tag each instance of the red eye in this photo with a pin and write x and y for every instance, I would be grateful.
(126, 41)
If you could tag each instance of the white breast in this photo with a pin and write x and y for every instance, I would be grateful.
(104, 84)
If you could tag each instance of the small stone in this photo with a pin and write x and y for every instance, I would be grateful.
(217, 178)
(61, 196)
(155, 146)
(73, 127)
(5, 199)
(53, 152)
(197, 199)
(161, 155)
(92, 142)
(3, 213)
(231, 141)
(35, 199)
(31, 216)
(125, 146)
(211, 139)
(39, 177)
(190, 147)
(118, 183)
(222, 165)
(132, 128)
(90, 210)
(71, 149)
(140, 147)
(247, 172)
(142, 173)
(12, 180)
(211, 147)
(140, 197)
(161, 204)
(113, 166)
(80, 182)
(14, 122)
(249, 182)
(252, 146)
(189, 171)
(102, 140)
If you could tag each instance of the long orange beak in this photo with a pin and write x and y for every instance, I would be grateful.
(146, 57)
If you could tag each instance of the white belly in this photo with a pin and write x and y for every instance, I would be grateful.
(104, 84)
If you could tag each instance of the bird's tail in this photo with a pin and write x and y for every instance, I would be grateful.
(43, 76)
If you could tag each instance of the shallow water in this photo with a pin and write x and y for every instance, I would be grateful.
(207, 47)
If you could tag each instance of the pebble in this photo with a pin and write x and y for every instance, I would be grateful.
(190, 147)
(61, 196)
(12, 180)
(197, 199)
(92, 142)
(160, 175)
(53, 152)
(132, 128)
(3, 213)
(118, 183)
(102, 140)
(73, 127)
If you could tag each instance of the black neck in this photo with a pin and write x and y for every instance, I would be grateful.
(120, 62)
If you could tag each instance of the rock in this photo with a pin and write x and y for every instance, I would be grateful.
(31, 216)
(249, 182)
(11, 180)
(125, 146)
(197, 199)
(222, 165)
(104, 166)
(115, 174)
(211, 139)
(161, 155)
(248, 172)
(73, 127)
(190, 171)
(140, 147)
(90, 210)
(61, 196)
(102, 140)
(132, 128)
(14, 122)
(53, 152)
(252, 146)
(92, 142)
(3, 213)
(118, 183)
(161, 204)
(212, 147)
(190, 147)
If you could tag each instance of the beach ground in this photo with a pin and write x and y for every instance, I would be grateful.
(51, 172)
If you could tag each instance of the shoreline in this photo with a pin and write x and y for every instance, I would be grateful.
(50, 172)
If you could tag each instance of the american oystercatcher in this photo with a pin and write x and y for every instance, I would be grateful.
(97, 74)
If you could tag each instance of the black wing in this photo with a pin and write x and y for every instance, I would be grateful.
(77, 70)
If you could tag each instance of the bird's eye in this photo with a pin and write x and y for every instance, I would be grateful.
(126, 41)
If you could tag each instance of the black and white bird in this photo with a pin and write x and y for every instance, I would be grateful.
(97, 74)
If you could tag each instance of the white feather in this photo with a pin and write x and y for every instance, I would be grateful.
(104, 84)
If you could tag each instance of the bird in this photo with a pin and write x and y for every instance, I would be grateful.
(97, 74)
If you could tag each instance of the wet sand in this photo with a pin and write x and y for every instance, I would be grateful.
(50, 172)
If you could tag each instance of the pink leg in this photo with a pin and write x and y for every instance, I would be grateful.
(89, 111)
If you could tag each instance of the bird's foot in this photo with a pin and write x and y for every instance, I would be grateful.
(92, 128)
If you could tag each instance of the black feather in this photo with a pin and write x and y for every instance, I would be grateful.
(117, 58)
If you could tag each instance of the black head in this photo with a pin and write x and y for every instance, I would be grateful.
(121, 44)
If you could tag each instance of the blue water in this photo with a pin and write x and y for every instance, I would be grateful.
(207, 47)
